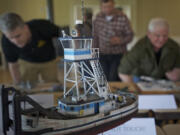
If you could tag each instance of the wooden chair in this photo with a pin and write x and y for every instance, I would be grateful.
(172, 129)
(170, 114)
(159, 131)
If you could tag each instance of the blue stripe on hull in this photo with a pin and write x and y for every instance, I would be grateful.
(81, 107)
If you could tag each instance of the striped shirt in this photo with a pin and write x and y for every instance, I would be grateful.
(104, 30)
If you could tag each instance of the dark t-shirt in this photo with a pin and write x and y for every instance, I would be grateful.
(158, 56)
(39, 49)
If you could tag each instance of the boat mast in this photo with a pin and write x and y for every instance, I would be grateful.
(82, 68)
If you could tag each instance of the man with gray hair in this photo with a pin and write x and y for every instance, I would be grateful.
(155, 55)
(28, 48)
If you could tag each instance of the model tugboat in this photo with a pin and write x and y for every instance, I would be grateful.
(87, 106)
(87, 103)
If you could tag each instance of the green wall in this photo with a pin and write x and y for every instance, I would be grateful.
(168, 9)
(141, 11)
(28, 9)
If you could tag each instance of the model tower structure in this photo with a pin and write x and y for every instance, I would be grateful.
(83, 61)
(84, 80)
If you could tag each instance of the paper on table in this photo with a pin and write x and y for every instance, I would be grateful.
(157, 85)
(135, 126)
(45, 100)
(156, 102)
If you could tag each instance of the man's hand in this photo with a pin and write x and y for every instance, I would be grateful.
(14, 71)
(115, 40)
(173, 75)
(126, 78)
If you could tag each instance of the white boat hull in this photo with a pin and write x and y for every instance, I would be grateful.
(80, 124)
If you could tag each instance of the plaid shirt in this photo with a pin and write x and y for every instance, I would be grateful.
(104, 30)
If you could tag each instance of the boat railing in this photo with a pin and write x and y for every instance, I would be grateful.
(76, 43)
(95, 52)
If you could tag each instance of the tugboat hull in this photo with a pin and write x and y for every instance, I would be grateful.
(41, 121)
(104, 127)
(94, 124)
